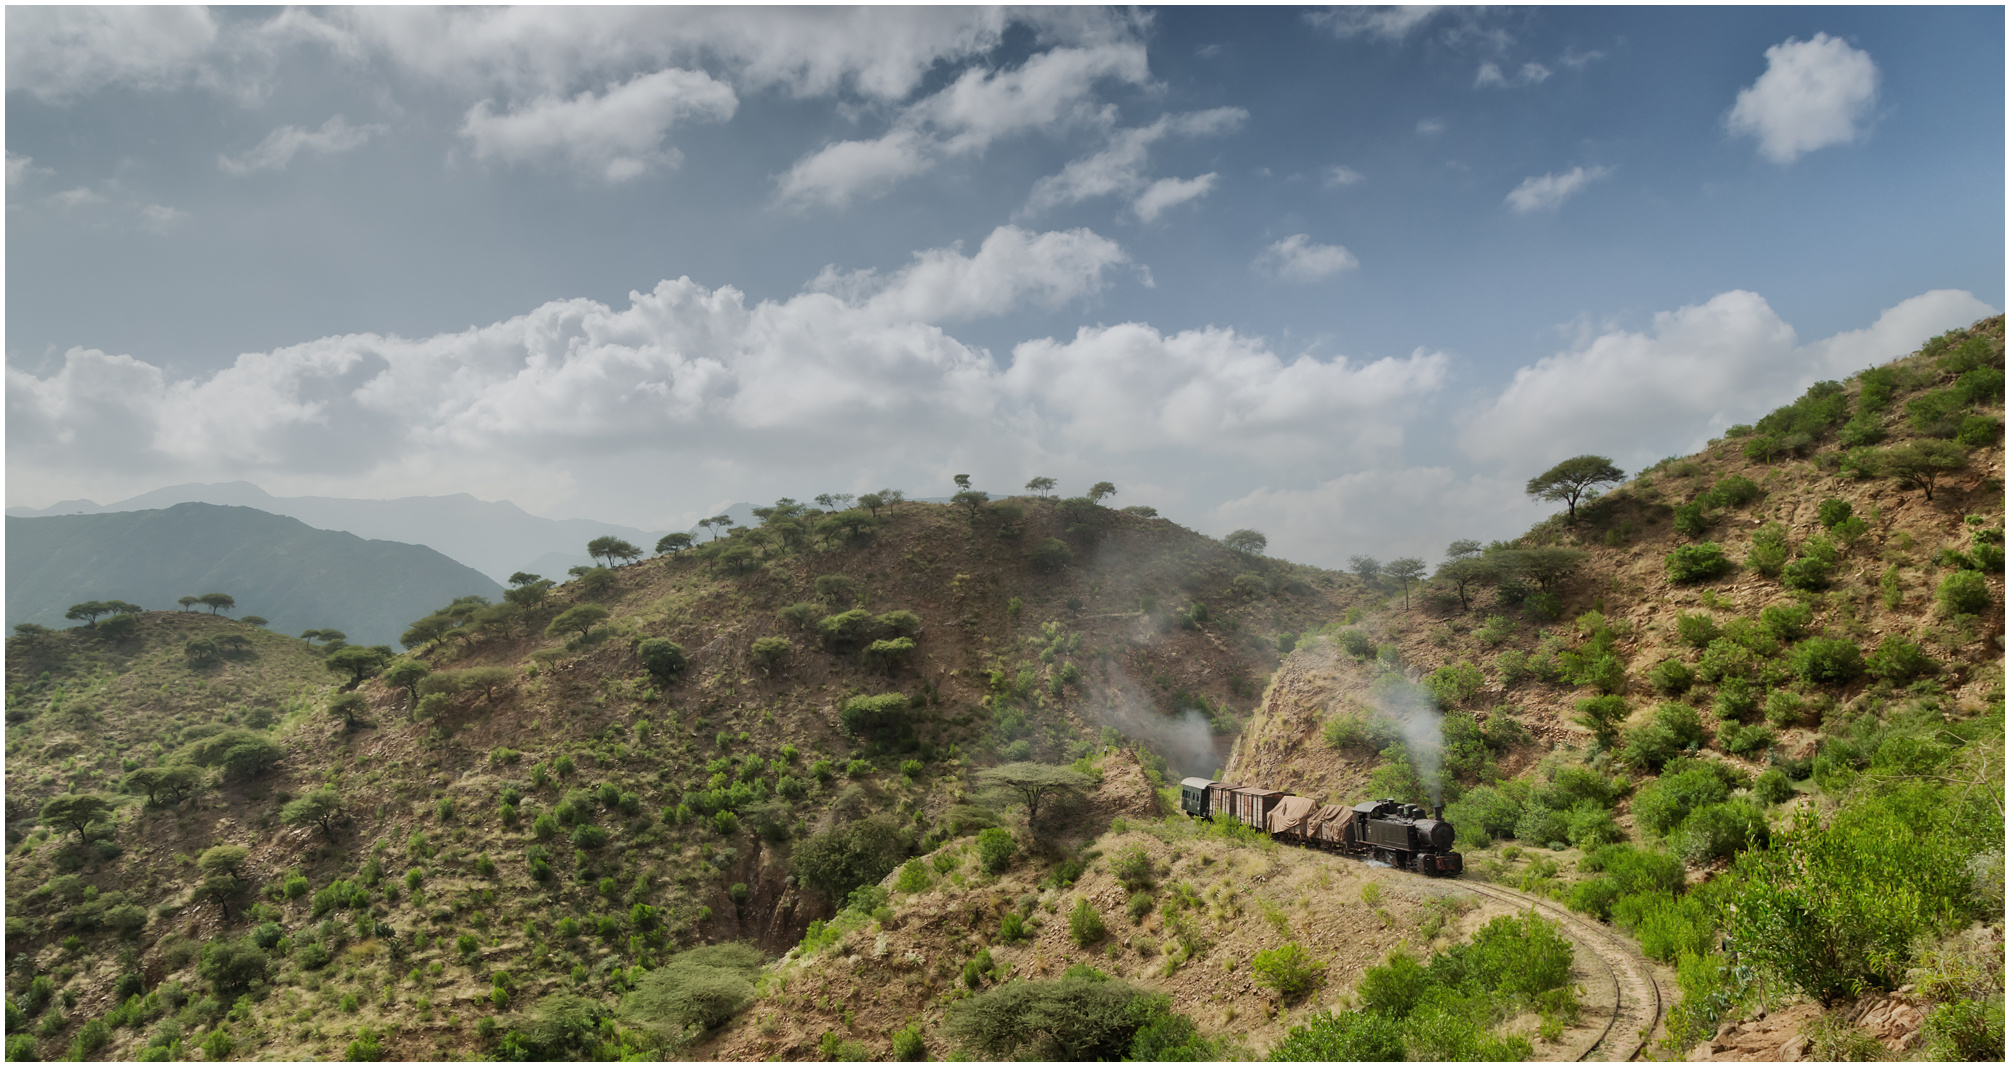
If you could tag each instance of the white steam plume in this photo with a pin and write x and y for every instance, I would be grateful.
(1413, 709)
(1186, 739)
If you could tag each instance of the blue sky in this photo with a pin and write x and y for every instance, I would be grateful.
(1349, 276)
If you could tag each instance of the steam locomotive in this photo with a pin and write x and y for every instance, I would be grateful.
(1400, 835)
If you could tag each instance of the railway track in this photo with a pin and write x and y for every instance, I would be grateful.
(1636, 993)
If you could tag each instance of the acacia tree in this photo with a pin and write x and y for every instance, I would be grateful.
(582, 618)
(224, 860)
(1919, 464)
(1406, 570)
(189, 602)
(1041, 486)
(1570, 480)
(319, 808)
(962, 481)
(168, 785)
(88, 611)
(1366, 568)
(973, 499)
(611, 549)
(1102, 491)
(1250, 541)
(406, 675)
(1036, 782)
(673, 543)
(1465, 568)
(78, 811)
(347, 707)
(218, 602)
(358, 662)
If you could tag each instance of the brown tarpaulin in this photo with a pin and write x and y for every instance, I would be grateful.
(1290, 814)
(1330, 824)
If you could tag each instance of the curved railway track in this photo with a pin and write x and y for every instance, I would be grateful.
(1636, 993)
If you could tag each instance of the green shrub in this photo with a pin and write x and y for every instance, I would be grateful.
(1661, 806)
(1772, 787)
(1979, 431)
(1784, 709)
(589, 836)
(1288, 969)
(908, 1046)
(1696, 629)
(1963, 593)
(1139, 906)
(1692, 519)
(913, 877)
(1671, 676)
(1899, 660)
(1132, 867)
(1828, 661)
(1699, 562)
(1787, 623)
(1084, 1015)
(1539, 826)
(1592, 825)
(1085, 924)
(1745, 740)
(1809, 574)
(1719, 831)
(1602, 716)
(995, 849)
(1357, 643)
(1455, 683)
(1484, 813)
(701, 988)
(1347, 1036)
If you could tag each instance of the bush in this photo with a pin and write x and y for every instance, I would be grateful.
(1699, 562)
(1787, 623)
(1808, 574)
(1289, 969)
(1719, 831)
(1899, 660)
(1829, 661)
(913, 877)
(1784, 709)
(230, 966)
(1661, 806)
(995, 849)
(908, 1046)
(701, 988)
(663, 659)
(1132, 867)
(1602, 716)
(1692, 520)
(1348, 1036)
(1696, 629)
(1484, 813)
(1081, 1016)
(864, 716)
(1772, 787)
(1671, 676)
(1964, 592)
(1745, 740)
(1539, 826)
(1085, 924)
(1052, 554)
(1455, 683)
(1591, 826)
(1733, 491)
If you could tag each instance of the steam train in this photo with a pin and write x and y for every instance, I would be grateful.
(1400, 835)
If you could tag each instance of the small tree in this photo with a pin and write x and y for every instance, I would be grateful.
(1602, 716)
(673, 543)
(407, 674)
(962, 481)
(1570, 480)
(664, 659)
(1919, 464)
(1052, 554)
(88, 611)
(189, 602)
(347, 707)
(165, 785)
(1366, 568)
(77, 811)
(612, 549)
(1406, 570)
(1036, 782)
(769, 653)
(582, 619)
(1041, 486)
(972, 499)
(1102, 491)
(358, 662)
(224, 861)
(218, 602)
(1250, 541)
(1467, 571)
(320, 808)
(255, 620)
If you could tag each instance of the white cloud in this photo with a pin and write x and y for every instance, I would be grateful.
(1490, 76)
(75, 199)
(838, 173)
(281, 145)
(1645, 394)
(1386, 23)
(1129, 388)
(1577, 60)
(58, 52)
(1342, 176)
(1120, 167)
(159, 218)
(1170, 192)
(1430, 127)
(1386, 513)
(1050, 92)
(1011, 267)
(617, 135)
(20, 168)
(1813, 94)
(1297, 259)
(1550, 190)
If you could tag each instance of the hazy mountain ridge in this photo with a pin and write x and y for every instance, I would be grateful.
(276, 567)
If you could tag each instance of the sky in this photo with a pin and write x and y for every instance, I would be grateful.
(1349, 276)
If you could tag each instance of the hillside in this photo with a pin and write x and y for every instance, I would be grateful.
(281, 569)
(496, 538)
(526, 740)
(757, 799)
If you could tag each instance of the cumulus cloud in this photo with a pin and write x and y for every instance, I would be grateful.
(1696, 370)
(1814, 93)
(1297, 259)
(54, 53)
(1385, 23)
(1171, 192)
(616, 135)
(1050, 92)
(1339, 177)
(159, 218)
(281, 145)
(1120, 166)
(1549, 191)
(1013, 266)
(1130, 388)
(1490, 76)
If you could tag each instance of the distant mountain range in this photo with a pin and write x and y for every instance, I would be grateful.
(280, 568)
(494, 537)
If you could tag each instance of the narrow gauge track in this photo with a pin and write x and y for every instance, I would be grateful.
(1636, 994)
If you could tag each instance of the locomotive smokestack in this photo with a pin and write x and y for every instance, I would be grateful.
(1438, 812)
